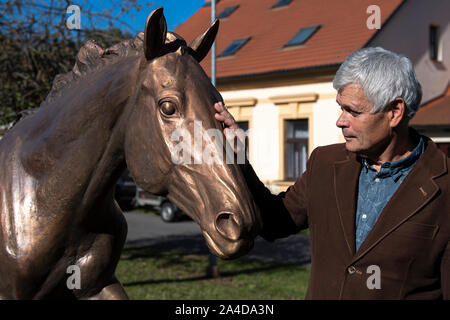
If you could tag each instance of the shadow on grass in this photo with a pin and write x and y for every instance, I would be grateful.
(178, 252)
(169, 251)
(291, 250)
(223, 275)
(191, 244)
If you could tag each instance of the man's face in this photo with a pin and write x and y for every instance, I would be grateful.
(365, 133)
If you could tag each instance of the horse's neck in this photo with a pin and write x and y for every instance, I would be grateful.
(75, 145)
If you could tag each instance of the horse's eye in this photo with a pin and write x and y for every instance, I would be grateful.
(168, 108)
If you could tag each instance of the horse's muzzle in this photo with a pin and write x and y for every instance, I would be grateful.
(231, 237)
(229, 225)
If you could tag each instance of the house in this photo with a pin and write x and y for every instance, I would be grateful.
(433, 120)
(276, 60)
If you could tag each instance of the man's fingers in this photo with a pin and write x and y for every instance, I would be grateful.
(225, 119)
(229, 121)
(224, 115)
(219, 117)
(219, 107)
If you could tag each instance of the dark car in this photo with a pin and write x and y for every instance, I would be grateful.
(125, 192)
(129, 196)
(168, 211)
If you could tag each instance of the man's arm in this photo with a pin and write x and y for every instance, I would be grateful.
(283, 214)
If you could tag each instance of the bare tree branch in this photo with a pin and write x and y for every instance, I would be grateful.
(36, 44)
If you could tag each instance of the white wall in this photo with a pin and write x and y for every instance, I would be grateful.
(264, 141)
(326, 112)
(408, 33)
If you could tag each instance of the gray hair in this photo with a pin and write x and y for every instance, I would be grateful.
(383, 75)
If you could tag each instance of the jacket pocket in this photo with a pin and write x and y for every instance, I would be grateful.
(417, 230)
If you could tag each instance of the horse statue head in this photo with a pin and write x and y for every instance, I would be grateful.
(173, 94)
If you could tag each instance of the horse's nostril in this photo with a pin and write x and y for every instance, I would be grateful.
(228, 225)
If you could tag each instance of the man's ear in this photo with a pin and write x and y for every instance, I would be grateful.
(397, 109)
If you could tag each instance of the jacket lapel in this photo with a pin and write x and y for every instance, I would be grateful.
(414, 193)
(346, 178)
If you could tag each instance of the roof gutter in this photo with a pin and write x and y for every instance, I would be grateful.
(434, 127)
(328, 69)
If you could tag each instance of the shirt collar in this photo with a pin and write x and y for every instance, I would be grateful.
(397, 168)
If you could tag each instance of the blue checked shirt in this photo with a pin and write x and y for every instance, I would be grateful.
(376, 188)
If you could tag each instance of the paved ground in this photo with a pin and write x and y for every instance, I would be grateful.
(143, 227)
(146, 229)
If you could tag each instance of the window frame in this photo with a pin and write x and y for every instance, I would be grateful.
(434, 43)
(244, 42)
(313, 31)
(296, 141)
(231, 10)
(279, 4)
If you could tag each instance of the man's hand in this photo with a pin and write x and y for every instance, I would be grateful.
(224, 116)
(231, 129)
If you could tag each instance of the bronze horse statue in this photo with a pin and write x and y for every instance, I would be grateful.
(116, 109)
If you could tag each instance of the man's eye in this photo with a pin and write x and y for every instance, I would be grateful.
(353, 113)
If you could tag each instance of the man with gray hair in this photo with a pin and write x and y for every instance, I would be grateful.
(378, 205)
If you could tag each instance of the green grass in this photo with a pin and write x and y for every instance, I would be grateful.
(153, 274)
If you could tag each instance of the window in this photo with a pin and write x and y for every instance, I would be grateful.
(435, 53)
(227, 12)
(244, 126)
(296, 148)
(302, 36)
(281, 3)
(233, 47)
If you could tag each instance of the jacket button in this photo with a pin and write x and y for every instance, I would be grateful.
(351, 270)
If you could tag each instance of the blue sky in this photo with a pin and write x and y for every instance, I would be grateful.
(175, 11)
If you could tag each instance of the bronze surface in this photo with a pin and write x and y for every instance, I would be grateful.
(116, 109)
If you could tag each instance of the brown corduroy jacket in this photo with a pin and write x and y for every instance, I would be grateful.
(409, 244)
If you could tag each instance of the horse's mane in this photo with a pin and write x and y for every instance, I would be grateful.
(92, 57)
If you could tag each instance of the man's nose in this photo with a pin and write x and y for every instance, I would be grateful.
(342, 122)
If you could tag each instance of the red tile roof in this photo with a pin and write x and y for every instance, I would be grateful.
(434, 113)
(343, 30)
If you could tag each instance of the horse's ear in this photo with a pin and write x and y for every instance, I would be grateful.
(203, 42)
(155, 33)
